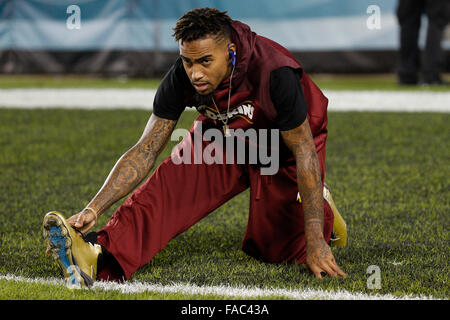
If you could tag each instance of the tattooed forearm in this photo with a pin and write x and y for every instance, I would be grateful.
(319, 257)
(301, 143)
(134, 165)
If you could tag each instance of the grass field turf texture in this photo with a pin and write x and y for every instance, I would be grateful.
(388, 173)
(324, 81)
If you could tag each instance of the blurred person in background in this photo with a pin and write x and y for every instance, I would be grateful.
(409, 14)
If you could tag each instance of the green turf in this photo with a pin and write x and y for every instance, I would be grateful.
(325, 81)
(73, 81)
(388, 173)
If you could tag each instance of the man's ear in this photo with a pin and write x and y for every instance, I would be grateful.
(232, 53)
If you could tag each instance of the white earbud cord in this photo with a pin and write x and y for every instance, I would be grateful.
(225, 123)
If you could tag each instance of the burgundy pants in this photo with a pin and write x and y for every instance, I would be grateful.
(176, 196)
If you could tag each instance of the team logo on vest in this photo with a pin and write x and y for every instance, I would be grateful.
(245, 110)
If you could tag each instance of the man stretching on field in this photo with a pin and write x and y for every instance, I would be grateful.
(222, 67)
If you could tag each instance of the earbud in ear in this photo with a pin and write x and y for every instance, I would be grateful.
(232, 55)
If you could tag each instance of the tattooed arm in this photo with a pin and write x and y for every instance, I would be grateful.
(319, 257)
(128, 172)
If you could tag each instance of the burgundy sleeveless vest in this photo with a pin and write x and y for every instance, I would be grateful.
(257, 57)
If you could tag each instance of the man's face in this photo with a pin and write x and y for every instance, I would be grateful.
(206, 62)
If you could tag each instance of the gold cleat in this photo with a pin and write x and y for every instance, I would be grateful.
(76, 257)
(339, 235)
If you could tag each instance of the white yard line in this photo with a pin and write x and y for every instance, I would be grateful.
(224, 291)
(77, 98)
(399, 101)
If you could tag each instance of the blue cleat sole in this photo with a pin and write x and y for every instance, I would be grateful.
(59, 245)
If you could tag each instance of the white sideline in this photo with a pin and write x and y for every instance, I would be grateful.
(96, 98)
(224, 291)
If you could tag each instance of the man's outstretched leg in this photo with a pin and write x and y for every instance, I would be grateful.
(175, 197)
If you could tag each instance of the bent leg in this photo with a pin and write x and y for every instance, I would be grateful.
(276, 227)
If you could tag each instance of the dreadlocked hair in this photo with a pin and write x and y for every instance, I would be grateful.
(199, 23)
